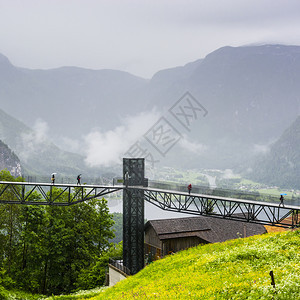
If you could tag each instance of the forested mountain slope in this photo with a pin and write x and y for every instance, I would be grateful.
(281, 165)
(37, 154)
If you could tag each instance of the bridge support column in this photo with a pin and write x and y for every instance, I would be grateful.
(133, 214)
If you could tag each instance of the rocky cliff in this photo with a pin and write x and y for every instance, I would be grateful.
(9, 160)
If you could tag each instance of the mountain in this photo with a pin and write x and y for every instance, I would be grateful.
(9, 160)
(38, 155)
(250, 94)
(281, 165)
(71, 100)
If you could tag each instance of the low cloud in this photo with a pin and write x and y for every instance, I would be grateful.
(261, 149)
(71, 145)
(191, 146)
(228, 173)
(32, 142)
(106, 148)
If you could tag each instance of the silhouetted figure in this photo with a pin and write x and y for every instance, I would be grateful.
(53, 178)
(126, 179)
(281, 201)
(78, 179)
(189, 188)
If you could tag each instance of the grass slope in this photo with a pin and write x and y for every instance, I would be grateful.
(237, 269)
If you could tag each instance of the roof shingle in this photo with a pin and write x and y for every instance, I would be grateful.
(210, 229)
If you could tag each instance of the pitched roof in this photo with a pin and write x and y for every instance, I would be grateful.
(210, 229)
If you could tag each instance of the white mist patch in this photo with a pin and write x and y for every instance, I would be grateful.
(261, 149)
(194, 147)
(32, 142)
(228, 174)
(40, 130)
(106, 148)
(70, 145)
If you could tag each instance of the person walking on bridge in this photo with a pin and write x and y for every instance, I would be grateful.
(189, 188)
(281, 201)
(53, 178)
(78, 179)
(126, 179)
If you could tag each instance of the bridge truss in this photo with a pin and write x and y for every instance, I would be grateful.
(50, 194)
(195, 204)
(226, 208)
(134, 196)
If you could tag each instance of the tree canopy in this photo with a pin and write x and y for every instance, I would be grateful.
(53, 249)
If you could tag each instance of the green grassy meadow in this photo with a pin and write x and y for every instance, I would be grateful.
(237, 269)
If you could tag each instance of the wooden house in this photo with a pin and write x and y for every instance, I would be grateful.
(166, 236)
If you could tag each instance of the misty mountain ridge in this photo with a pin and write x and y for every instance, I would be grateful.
(251, 95)
(280, 166)
(69, 99)
(37, 154)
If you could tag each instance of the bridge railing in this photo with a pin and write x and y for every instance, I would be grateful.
(176, 186)
(230, 193)
(67, 179)
(119, 265)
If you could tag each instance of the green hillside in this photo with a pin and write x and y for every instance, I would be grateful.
(237, 269)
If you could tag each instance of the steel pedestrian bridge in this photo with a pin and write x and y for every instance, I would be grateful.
(170, 200)
(51, 194)
(135, 193)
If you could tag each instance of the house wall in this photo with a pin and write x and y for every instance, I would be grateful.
(151, 238)
(151, 253)
(153, 245)
(155, 248)
(177, 244)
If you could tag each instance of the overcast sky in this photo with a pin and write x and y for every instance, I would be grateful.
(140, 37)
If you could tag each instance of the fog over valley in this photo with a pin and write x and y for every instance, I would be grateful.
(187, 85)
(223, 111)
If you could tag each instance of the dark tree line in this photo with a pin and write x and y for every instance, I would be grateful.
(51, 249)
